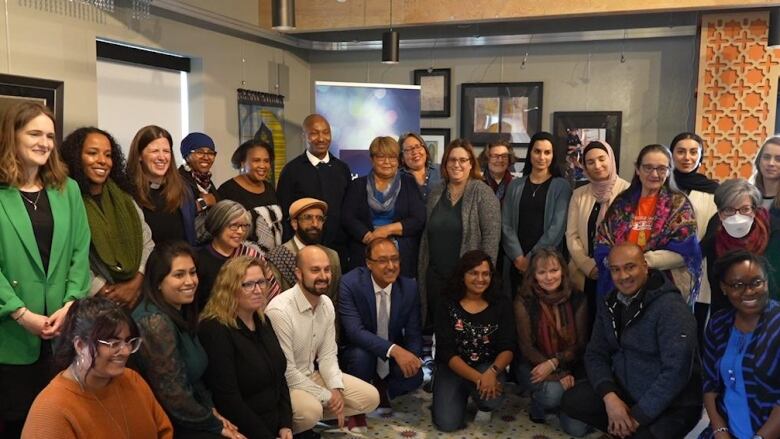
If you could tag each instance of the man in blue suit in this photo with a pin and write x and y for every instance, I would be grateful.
(380, 317)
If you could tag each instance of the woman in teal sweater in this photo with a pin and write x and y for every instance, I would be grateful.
(44, 249)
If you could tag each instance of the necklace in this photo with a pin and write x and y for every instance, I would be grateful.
(34, 204)
(454, 196)
(116, 392)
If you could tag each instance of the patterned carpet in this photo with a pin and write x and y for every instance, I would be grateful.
(412, 419)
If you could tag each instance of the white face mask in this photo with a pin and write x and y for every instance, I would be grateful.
(738, 225)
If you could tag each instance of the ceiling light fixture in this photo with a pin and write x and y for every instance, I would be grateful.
(283, 14)
(390, 42)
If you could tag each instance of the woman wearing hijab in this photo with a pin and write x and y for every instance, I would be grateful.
(587, 209)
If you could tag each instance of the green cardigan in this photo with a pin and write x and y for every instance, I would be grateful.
(23, 282)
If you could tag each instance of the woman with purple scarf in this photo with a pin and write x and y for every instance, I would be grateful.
(656, 216)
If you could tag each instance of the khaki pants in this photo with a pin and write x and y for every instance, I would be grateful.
(359, 397)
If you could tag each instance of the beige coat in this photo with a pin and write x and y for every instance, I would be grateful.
(704, 207)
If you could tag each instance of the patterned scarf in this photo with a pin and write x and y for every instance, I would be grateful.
(268, 226)
(756, 241)
(116, 231)
(673, 229)
(556, 329)
(284, 260)
(498, 188)
(382, 202)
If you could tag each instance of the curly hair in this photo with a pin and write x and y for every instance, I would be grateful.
(222, 305)
(456, 287)
(72, 147)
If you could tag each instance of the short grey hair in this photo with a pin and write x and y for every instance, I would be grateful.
(222, 214)
(730, 191)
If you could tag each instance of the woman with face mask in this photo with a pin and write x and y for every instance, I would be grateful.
(742, 223)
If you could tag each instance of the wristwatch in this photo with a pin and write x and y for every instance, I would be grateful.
(202, 205)
(758, 436)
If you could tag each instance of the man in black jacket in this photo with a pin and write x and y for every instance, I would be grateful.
(317, 174)
(642, 360)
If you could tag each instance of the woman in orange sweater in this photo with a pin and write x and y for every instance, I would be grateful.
(95, 395)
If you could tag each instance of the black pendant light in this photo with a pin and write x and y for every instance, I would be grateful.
(390, 42)
(283, 14)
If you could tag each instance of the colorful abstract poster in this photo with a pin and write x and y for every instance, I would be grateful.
(360, 112)
(261, 116)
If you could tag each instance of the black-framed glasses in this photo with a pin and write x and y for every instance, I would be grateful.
(462, 161)
(384, 261)
(250, 285)
(116, 345)
(744, 210)
(413, 148)
(310, 217)
(740, 287)
(498, 157)
(204, 153)
(649, 169)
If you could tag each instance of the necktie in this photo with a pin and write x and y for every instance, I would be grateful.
(382, 319)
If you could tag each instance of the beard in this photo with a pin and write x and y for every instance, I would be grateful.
(310, 236)
(317, 287)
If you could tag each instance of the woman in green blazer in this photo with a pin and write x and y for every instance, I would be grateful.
(44, 249)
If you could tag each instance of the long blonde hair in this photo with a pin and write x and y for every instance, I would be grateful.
(52, 173)
(222, 305)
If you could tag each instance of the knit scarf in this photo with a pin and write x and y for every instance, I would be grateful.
(755, 241)
(116, 231)
(555, 329)
(498, 188)
(602, 189)
(382, 202)
(673, 229)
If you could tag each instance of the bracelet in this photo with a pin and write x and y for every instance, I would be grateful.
(495, 369)
(553, 365)
(719, 430)
(19, 317)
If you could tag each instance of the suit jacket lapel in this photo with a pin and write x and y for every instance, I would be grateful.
(395, 307)
(371, 300)
(59, 209)
(12, 204)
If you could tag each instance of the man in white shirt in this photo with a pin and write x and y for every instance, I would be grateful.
(303, 318)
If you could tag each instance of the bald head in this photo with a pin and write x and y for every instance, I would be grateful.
(316, 133)
(312, 270)
(628, 268)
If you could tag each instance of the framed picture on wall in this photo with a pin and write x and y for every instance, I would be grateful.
(575, 129)
(434, 92)
(45, 91)
(491, 111)
(436, 139)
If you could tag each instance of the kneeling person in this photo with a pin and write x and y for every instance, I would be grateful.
(380, 316)
(304, 321)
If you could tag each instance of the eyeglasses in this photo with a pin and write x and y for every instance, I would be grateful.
(116, 345)
(462, 161)
(385, 261)
(740, 287)
(309, 217)
(744, 210)
(412, 149)
(498, 157)
(204, 153)
(237, 227)
(385, 158)
(250, 285)
(649, 169)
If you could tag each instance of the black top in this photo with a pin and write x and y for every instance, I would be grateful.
(327, 182)
(166, 226)
(209, 262)
(231, 190)
(592, 218)
(39, 209)
(475, 338)
(445, 231)
(246, 376)
(530, 226)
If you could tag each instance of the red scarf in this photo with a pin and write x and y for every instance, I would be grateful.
(755, 241)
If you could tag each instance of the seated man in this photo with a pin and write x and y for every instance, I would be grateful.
(380, 316)
(304, 321)
(643, 370)
(307, 218)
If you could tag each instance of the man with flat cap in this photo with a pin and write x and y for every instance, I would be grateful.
(307, 218)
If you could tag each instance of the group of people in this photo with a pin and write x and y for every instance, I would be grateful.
(258, 310)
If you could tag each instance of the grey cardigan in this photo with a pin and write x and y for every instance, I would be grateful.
(556, 209)
(481, 217)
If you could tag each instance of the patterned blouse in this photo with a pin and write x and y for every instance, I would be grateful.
(475, 338)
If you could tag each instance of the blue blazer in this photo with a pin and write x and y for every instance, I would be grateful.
(409, 210)
(357, 311)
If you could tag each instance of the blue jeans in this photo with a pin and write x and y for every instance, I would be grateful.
(451, 394)
(546, 396)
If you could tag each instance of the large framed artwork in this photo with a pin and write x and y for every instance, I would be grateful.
(575, 129)
(261, 117)
(436, 139)
(434, 92)
(492, 111)
(47, 92)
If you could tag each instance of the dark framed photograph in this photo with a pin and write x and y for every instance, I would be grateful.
(575, 129)
(45, 91)
(436, 139)
(434, 92)
(509, 111)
